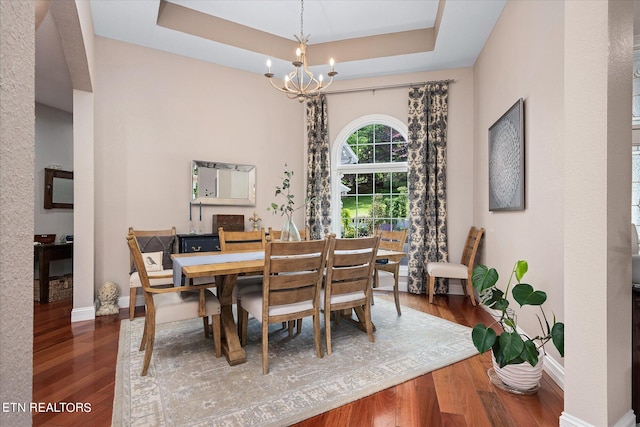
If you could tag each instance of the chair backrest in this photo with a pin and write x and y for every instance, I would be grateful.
(149, 233)
(350, 265)
(136, 256)
(242, 240)
(277, 234)
(471, 247)
(293, 271)
(392, 240)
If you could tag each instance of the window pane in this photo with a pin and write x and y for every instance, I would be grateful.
(365, 183)
(382, 133)
(399, 180)
(399, 152)
(382, 153)
(365, 153)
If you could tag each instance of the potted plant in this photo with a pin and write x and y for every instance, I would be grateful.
(511, 347)
(289, 230)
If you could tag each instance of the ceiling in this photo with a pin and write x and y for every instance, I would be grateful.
(366, 38)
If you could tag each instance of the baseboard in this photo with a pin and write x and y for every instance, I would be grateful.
(83, 313)
(554, 370)
(568, 420)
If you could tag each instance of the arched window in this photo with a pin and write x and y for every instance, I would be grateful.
(369, 177)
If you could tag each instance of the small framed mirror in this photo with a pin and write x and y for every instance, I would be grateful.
(58, 189)
(215, 183)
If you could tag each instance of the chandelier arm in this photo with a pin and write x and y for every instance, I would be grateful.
(276, 87)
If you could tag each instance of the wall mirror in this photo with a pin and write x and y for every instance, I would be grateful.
(214, 183)
(58, 189)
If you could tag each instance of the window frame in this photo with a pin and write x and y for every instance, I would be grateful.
(338, 169)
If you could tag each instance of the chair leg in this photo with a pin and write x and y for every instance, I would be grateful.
(240, 319)
(265, 347)
(217, 334)
(367, 321)
(432, 285)
(151, 332)
(205, 322)
(132, 302)
(316, 333)
(470, 290)
(244, 315)
(143, 341)
(327, 330)
(396, 294)
(299, 325)
(290, 325)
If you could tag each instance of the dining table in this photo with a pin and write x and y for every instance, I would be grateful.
(226, 266)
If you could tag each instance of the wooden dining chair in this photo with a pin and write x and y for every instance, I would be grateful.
(387, 272)
(164, 305)
(151, 241)
(277, 234)
(243, 241)
(462, 271)
(291, 290)
(348, 278)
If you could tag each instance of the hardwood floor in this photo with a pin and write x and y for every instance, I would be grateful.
(76, 363)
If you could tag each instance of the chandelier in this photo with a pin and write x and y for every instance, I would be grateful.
(300, 83)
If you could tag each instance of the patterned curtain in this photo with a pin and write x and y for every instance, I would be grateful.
(427, 182)
(318, 213)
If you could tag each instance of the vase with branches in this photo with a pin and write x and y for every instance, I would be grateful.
(287, 208)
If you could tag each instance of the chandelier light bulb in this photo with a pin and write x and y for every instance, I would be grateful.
(320, 78)
(268, 65)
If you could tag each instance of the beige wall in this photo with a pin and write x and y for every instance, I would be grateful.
(17, 50)
(523, 58)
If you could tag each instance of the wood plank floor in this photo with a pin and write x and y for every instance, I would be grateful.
(76, 363)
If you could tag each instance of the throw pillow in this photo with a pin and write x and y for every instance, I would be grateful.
(157, 244)
(153, 261)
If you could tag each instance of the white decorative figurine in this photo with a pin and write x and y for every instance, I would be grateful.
(255, 220)
(108, 295)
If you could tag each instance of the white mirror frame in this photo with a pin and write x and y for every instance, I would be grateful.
(225, 184)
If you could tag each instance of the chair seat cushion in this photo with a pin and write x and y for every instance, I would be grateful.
(447, 269)
(338, 299)
(175, 306)
(252, 303)
(386, 280)
(246, 285)
(134, 278)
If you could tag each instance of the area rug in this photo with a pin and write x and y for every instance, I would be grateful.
(188, 386)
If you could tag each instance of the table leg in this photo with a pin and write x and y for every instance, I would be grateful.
(231, 347)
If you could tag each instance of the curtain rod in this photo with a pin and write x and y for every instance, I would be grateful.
(374, 88)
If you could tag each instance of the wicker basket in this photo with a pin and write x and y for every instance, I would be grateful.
(59, 288)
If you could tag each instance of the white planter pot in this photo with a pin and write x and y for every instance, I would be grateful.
(521, 378)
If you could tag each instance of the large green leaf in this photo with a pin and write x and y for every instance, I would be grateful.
(483, 278)
(511, 345)
(525, 295)
(530, 353)
(483, 337)
(521, 269)
(557, 336)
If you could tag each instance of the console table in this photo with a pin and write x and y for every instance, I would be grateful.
(188, 243)
(44, 253)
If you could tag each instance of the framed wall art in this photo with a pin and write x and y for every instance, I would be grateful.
(506, 160)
